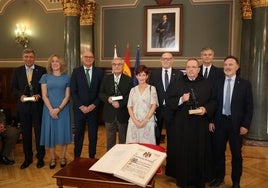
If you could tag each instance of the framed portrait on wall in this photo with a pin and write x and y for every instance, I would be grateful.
(163, 29)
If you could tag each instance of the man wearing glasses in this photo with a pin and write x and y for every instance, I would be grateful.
(192, 98)
(161, 79)
(85, 84)
(114, 93)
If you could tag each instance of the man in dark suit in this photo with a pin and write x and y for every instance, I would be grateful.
(207, 69)
(212, 73)
(25, 83)
(232, 120)
(157, 79)
(115, 113)
(85, 84)
(161, 78)
(163, 30)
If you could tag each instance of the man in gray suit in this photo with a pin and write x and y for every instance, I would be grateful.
(115, 113)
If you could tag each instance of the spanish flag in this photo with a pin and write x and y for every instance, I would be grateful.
(126, 68)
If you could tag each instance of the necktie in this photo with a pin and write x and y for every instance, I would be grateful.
(166, 80)
(88, 77)
(227, 104)
(206, 73)
(116, 80)
(29, 75)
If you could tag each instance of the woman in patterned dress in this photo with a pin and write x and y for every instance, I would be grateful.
(142, 103)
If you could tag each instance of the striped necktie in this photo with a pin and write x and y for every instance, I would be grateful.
(88, 77)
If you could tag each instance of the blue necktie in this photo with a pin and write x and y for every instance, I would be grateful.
(227, 104)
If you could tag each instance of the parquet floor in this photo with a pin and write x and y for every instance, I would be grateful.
(255, 171)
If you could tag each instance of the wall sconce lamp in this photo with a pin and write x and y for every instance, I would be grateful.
(22, 35)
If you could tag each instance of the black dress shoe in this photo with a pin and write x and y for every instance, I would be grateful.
(216, 183)
(4, 160)
(26, 163)
(236, 185)
(52, 164)
(40, 163)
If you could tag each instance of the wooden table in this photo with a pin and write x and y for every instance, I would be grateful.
(76, 174)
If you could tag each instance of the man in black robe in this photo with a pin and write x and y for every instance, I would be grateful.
(192, 145)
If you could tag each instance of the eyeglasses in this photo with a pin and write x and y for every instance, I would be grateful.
(88, 57)
(117, 64)
(166, 59)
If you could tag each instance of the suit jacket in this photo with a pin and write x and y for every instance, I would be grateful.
(19, 87)
(107, 89)
(215, 73)
(241, 103)
(156, 80)
(81, 93)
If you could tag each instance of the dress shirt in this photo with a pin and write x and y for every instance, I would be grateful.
(26, 69)
(204, 70)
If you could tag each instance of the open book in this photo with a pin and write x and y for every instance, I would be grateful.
(131, 162)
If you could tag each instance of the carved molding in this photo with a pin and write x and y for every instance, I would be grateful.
(246, 10)
(47, 5)
(259, 3)
(88, 13)
(71, 7)
(209, 1)
(4, 4)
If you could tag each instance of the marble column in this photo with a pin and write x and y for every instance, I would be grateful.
(258, 74)
(246, 13)
(87, 20)
(71, 10)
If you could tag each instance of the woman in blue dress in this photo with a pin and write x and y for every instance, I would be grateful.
(56, 122)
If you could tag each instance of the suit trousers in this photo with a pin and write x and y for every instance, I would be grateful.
(111, 130)
(225, 132)
(163, 115)
(28, 121)
(80, 122)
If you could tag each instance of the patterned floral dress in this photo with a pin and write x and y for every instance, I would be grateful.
(141, 104)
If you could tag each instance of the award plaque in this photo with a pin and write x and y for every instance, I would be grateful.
(117, 94)
(28, 99)
(193, 103)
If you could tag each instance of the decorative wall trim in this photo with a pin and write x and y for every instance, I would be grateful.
(51, 5)
(209, 1)
(4, 4)
(259, 3)
(47, 5)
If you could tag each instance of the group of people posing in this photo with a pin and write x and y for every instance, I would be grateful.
(220, 100)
